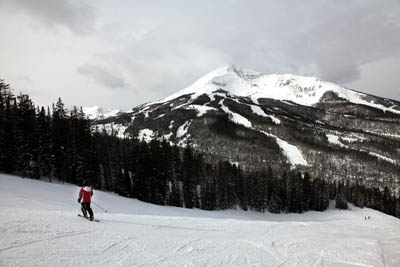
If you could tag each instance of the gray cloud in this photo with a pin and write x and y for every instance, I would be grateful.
(328, 39)
(103, 76)
(78, 16)
(163, 46)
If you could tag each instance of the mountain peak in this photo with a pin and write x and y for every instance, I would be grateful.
(248, 83)
(306, 91)
(227, 77)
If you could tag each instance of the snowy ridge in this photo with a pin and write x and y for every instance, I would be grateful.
(96, 112)
(44, 230)
(301, 90)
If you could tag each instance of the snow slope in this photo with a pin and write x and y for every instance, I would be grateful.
(97, 112)
(302, 90)
(39, 227)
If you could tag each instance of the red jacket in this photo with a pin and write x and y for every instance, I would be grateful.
(86, 192)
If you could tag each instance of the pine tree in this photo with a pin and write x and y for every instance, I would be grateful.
(388, 202)
(8, 155)
(61, 134)
(141, 185)
(188, 177)
(176, 195)
(341, 201)
(83, 162)
(45, 144)
(275, 203)
(3, 141)
(241, 189)
(397, 208)
(307, 192)
(26, 139)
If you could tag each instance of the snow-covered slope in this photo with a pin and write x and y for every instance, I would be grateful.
(305, 91)
(39, 227)
(96, 112)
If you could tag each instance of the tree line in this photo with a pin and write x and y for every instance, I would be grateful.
(39, 142)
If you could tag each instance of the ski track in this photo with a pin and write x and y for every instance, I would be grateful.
(45, 231)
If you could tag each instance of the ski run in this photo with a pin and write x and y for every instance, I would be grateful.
(39, 226)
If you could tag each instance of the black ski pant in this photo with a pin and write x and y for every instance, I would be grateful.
(85, 207)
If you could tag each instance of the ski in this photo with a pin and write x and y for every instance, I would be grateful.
(94, 220)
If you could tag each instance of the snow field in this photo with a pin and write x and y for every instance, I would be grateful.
(39, 226)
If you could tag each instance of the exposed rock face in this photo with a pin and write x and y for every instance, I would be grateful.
(281, 121)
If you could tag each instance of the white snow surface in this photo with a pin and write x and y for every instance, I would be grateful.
(200, 109)
(97, 112)
(298, 89)
(39, 226)
(291, 152)
(235, 117)
(257, 110)
(146, 135)
(182, 130)
(334, 139)
(111, 129)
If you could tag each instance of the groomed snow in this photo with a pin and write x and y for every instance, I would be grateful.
(39, 226)
(291, 152)
(257, 110)
(200, 109)
(235, 117)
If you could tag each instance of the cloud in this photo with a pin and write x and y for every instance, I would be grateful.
(103, 76)
(161, 46)
(328, 39)
(78, 16)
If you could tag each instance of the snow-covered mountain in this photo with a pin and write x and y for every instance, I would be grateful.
(39, 226)
(301, 90)
(278, 121)
(98, 113)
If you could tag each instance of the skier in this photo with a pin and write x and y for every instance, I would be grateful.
(85, 195)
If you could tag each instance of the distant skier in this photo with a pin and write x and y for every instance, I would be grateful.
(85, 194)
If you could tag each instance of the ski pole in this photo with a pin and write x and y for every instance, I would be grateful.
(100, 207)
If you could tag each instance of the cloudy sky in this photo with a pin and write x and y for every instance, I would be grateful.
(118, 54)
